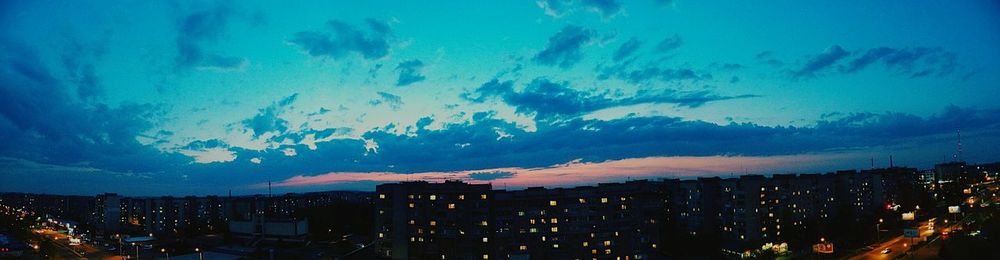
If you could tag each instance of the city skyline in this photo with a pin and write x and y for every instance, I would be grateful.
(191, 98)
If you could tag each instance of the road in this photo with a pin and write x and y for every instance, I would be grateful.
(898, 245)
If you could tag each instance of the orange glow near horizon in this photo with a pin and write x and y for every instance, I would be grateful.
(583, 173)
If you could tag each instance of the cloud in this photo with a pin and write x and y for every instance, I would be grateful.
(340, 39)
(557, 8)
(268, 119)
(548, 100)
(563, 49)
(647, 72)
(409, 72)
(490, 176)
(42, 119)
(626, 49)
(913, 62)
(394, 101)
(670, 43)
(201, 27)
(819, 62)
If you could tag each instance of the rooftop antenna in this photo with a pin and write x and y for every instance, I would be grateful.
(890, 161)
(873, 162)
(959, 155)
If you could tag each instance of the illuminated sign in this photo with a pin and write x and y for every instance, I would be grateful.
(911, 233)
(823, 248)
(908, 216)
(954, 209)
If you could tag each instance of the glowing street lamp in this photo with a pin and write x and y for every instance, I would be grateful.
(164, 250)
(200, 256)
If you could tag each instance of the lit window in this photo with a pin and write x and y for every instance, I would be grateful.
(555, 221)
(485, 239)
(553, 203)
(607, 242)
(451, 205)
(411, 205)
(434, 197)
(555, 229)
(461, 197)
(434, 223)
(486, 256)
(381, 196)
(555, 245)
(604, 200)
(523, 248)
(483, 196)
(381, 235)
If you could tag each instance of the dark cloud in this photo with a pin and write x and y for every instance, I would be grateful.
(670, 43)
(913, 62)
(548, 100)
(268, 119)
(475, 144)
(205, 144)
(635, 74)
(489, 176)
(42, 120)
(340, 39)
(556, 8)
(409, 72)
(200, 27)
(626, 49)
(563, 49)
(767, 57)
(819, 62)
(394, 101)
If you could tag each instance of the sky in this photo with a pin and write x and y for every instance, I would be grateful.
(208, 97)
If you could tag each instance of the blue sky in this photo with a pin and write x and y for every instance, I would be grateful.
(180, 97)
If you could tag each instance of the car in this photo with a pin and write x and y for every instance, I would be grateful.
(886, 251)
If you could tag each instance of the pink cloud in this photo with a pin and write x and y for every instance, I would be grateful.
(584, 173)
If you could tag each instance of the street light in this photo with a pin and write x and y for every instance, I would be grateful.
(164, 250)
(200, 257)
(878, 230)
(136, 250)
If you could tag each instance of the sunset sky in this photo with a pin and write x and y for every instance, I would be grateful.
(200, 97)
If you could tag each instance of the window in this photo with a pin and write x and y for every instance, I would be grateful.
(586, 244)
(461, 197)
(485, 239)
(604, 200)
(482, 196)
(411, 205)
(523, 248)
(607, 242)
(434, 223)
(555, 229)
(434, 197)
(381, 196)
(451, 205)
(554, 221)
(553, 203)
